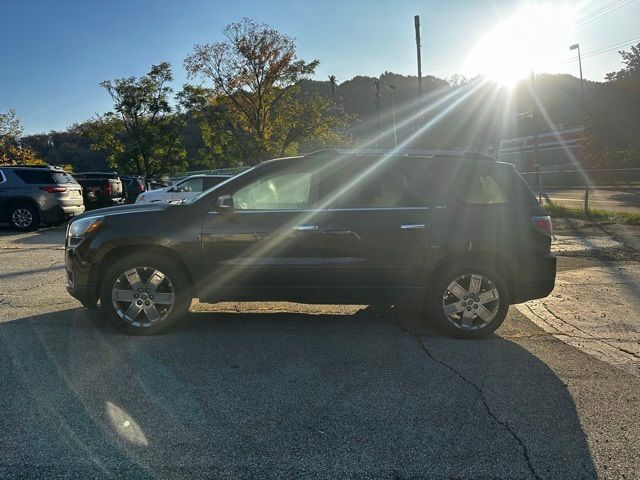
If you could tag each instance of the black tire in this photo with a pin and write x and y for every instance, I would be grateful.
(177, 282)
(18, 214)
(440, 293)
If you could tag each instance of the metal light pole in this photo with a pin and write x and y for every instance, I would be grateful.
(534, 121)
(576, 46)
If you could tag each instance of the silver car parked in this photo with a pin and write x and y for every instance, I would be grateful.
(32, 195)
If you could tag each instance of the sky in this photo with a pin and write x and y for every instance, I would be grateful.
(56, 52)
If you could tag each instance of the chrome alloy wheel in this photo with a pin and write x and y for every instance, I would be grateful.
(22, 217)
(471, 302)
(143, 296)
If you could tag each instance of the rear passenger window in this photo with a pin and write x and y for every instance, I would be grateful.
(480, 184)
(34, 176)
(374, 183)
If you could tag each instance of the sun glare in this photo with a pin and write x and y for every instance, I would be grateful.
(533, 38)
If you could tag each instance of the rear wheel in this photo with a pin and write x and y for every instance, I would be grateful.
(144, 294)
(24, 217)
(469, 302)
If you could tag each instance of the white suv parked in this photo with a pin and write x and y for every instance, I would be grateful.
(186, 188)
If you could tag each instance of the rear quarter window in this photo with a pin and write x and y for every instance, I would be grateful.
(34, 176)
(481, 184)
(62, 178)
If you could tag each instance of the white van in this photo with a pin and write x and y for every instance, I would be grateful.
(185, 188)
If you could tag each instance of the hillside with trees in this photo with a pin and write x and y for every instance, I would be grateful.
(253, 98)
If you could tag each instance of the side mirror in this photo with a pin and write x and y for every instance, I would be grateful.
(224, 203)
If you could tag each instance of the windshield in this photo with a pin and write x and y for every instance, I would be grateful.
(191, 200)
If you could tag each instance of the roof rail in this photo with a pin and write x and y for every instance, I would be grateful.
(43, 167)
(392, 152)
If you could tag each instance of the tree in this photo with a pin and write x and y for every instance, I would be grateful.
(614, 122)
(256, 74)
(11, 151)
(142, 133)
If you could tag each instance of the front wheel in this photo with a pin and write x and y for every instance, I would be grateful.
(144, 295)
(469, 302)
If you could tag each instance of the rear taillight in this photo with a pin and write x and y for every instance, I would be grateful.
(54, 189)
(106, 189)
(543, 225)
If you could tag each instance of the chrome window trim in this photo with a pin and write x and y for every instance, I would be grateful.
(369, 209)
(363, 209)
(211, 212)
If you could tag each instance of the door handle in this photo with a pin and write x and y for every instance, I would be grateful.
(412, 226)
(306, 228)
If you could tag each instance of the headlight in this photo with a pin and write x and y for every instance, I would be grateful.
(84, 226)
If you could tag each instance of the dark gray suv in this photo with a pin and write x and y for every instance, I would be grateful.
(30, 196)
(460, 234)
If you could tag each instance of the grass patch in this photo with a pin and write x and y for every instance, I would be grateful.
(595, 215)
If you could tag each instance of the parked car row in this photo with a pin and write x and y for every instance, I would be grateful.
(35, 195)
(183, 189)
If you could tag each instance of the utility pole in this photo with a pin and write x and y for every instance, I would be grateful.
(416, 24)
(332, 81)
(377, 86)
(393, 112)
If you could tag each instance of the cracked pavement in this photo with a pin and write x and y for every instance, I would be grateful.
(279, 390)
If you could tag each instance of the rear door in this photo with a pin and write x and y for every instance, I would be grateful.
(378, 226)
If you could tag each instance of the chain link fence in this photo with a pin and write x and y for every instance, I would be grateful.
(594, 192)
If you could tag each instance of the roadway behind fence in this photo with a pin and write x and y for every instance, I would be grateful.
(605, 190)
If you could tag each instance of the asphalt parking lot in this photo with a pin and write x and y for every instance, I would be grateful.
(297, 391)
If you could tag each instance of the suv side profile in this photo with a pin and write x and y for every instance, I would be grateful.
(461, 235)
(32, 195)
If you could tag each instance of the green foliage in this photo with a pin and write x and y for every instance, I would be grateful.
(12, 151)
(614, 122)
(595, 215)
(142, 134)
(255, 76)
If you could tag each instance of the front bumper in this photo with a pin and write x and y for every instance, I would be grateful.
(78, 275)
(537, 280)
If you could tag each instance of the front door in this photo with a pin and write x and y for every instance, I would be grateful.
(272, 239)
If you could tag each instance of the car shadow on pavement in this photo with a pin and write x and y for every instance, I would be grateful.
(278, 395)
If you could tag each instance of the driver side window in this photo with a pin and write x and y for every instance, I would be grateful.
(278, 191)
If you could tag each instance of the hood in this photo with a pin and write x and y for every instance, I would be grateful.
(123, 209)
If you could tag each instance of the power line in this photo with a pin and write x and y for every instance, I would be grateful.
(606, 10)
(601, 51)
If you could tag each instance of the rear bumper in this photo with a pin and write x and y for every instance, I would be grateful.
(537, 281)
(61, 212)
